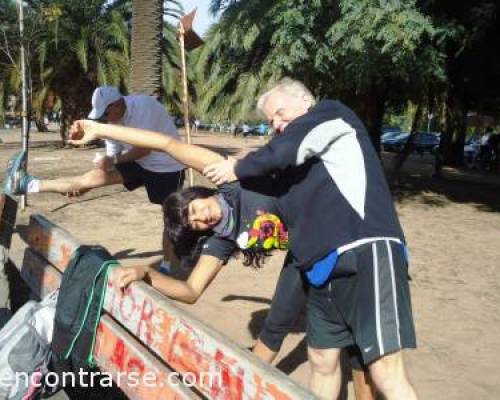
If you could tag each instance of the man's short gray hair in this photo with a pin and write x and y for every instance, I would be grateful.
(288, 86)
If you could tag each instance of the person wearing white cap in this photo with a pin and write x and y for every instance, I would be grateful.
(123, 164)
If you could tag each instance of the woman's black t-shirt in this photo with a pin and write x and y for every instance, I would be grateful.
(246, 205)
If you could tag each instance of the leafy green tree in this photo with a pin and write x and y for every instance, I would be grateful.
(34, 31)
(90, 43)
(369, 53)
(70, 48)
(381, 53)
(467, 34)
(8, 51)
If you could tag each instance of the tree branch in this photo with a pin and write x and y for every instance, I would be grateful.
(7, 52)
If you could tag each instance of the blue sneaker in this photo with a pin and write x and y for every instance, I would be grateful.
(15, 174)
(22, 188)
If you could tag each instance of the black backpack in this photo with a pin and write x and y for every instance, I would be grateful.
(78, 309)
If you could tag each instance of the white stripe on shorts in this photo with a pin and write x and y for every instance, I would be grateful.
(377, 299)
(394, 296)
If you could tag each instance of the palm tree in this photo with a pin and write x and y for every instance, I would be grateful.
(237, 61)
(171, 70)
(146, 56)
(85, 45)
(80, 46)
(9, 74)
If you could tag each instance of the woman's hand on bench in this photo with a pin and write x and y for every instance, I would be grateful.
(124, 276)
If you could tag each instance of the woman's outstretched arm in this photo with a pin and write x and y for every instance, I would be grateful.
(196, 157)
(187, 291)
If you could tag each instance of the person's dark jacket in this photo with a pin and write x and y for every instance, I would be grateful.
(336, 189)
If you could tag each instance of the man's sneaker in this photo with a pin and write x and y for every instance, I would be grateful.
(24, 183)
(21, 184)
(15, 174)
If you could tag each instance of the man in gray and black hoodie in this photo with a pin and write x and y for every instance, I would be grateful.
(344, 235)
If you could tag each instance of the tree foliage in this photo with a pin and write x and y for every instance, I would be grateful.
(358, 50)
(375, 55)
(71, 48)
(467, 35)
(443, 56)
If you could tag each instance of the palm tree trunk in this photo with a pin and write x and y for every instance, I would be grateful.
(145, 65)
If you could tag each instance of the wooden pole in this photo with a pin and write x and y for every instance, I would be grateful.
(185, 97)
(25, 127)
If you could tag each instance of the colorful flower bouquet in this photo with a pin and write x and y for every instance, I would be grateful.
(268, 232)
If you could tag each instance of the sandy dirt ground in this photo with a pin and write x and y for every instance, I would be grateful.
(452, 228)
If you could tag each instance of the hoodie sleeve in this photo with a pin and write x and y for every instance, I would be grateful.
(279, 154)
(294, 147)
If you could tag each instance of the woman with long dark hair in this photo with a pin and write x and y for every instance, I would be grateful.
(205, 226)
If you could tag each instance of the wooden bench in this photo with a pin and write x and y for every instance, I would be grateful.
(144, 332)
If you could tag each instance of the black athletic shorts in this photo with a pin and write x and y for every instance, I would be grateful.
(159, 185)
(287, 305)
(369, 309)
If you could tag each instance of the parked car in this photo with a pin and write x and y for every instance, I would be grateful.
(395, 143)
(12, 122)
(179, 122)
(204, 125)
(263, 128)
(424, 142)
(471, 150)
(386, 136)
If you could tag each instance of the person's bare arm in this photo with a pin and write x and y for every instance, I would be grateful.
(84, 131)
(186, 291)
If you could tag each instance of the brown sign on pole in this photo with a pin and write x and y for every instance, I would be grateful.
(191, 38)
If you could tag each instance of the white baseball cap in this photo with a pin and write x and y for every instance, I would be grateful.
(102, 97)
